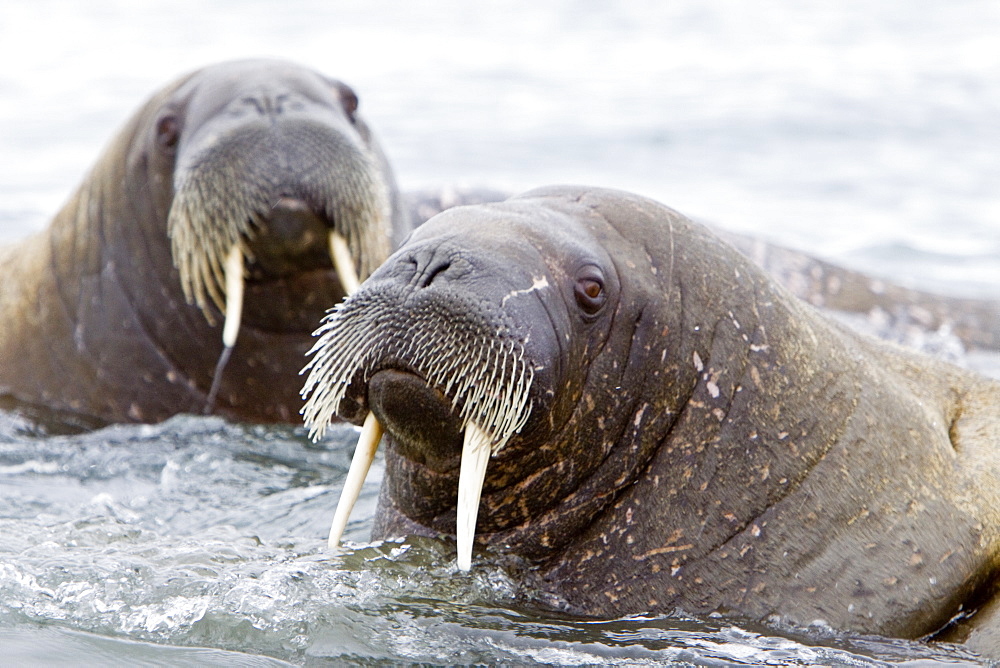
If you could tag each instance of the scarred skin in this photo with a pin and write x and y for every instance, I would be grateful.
(699, 439)
(95, 323)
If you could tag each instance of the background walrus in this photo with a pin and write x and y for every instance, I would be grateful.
(238, 173)
(669, 427)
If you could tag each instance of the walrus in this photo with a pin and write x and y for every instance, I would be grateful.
(603, 391)
(249, 193)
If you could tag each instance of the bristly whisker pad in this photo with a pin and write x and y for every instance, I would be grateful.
(223, 199)
(474, 361)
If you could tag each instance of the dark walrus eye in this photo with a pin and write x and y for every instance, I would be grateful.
(168, 132)
(589, 290)
(349, 99)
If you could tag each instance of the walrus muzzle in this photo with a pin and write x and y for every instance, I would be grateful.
(389, 351)
(227, 192)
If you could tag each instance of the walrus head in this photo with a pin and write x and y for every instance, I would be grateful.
(457, 350)
(271, 166)
(248, 191)
(275, 177)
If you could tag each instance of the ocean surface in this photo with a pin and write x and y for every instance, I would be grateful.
(865, 133)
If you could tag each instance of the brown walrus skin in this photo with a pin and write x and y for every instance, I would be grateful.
(93, 319)
(698, 439)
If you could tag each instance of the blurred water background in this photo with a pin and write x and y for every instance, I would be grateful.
(863, 132)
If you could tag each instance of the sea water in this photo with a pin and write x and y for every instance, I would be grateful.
(862, 132)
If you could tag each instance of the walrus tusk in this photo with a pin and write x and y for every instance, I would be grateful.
(371, 432)
(475, 450)
(343, 263)
(364, 454)
(475, 456)
(234, 313)
(234, 295)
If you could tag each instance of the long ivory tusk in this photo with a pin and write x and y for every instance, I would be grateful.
(475, 457)
(343, 263)
(364, 454)
(234, 313)
(234, 295)
(371, 432)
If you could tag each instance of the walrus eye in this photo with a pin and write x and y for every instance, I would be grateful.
(349, 99)
(168, 132)
(589, 290)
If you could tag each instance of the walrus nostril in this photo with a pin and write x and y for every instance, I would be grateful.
(270, 104)
(429, 266)
(433, 272)
(261, 106)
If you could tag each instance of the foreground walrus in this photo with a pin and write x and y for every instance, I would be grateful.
(669, 428)
(239, 179)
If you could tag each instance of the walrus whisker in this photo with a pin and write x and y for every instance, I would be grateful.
(371, 432)
(234, 314)
(476, 448)
(343, 263)
(364, 455)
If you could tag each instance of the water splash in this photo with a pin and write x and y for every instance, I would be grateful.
(150, 541)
